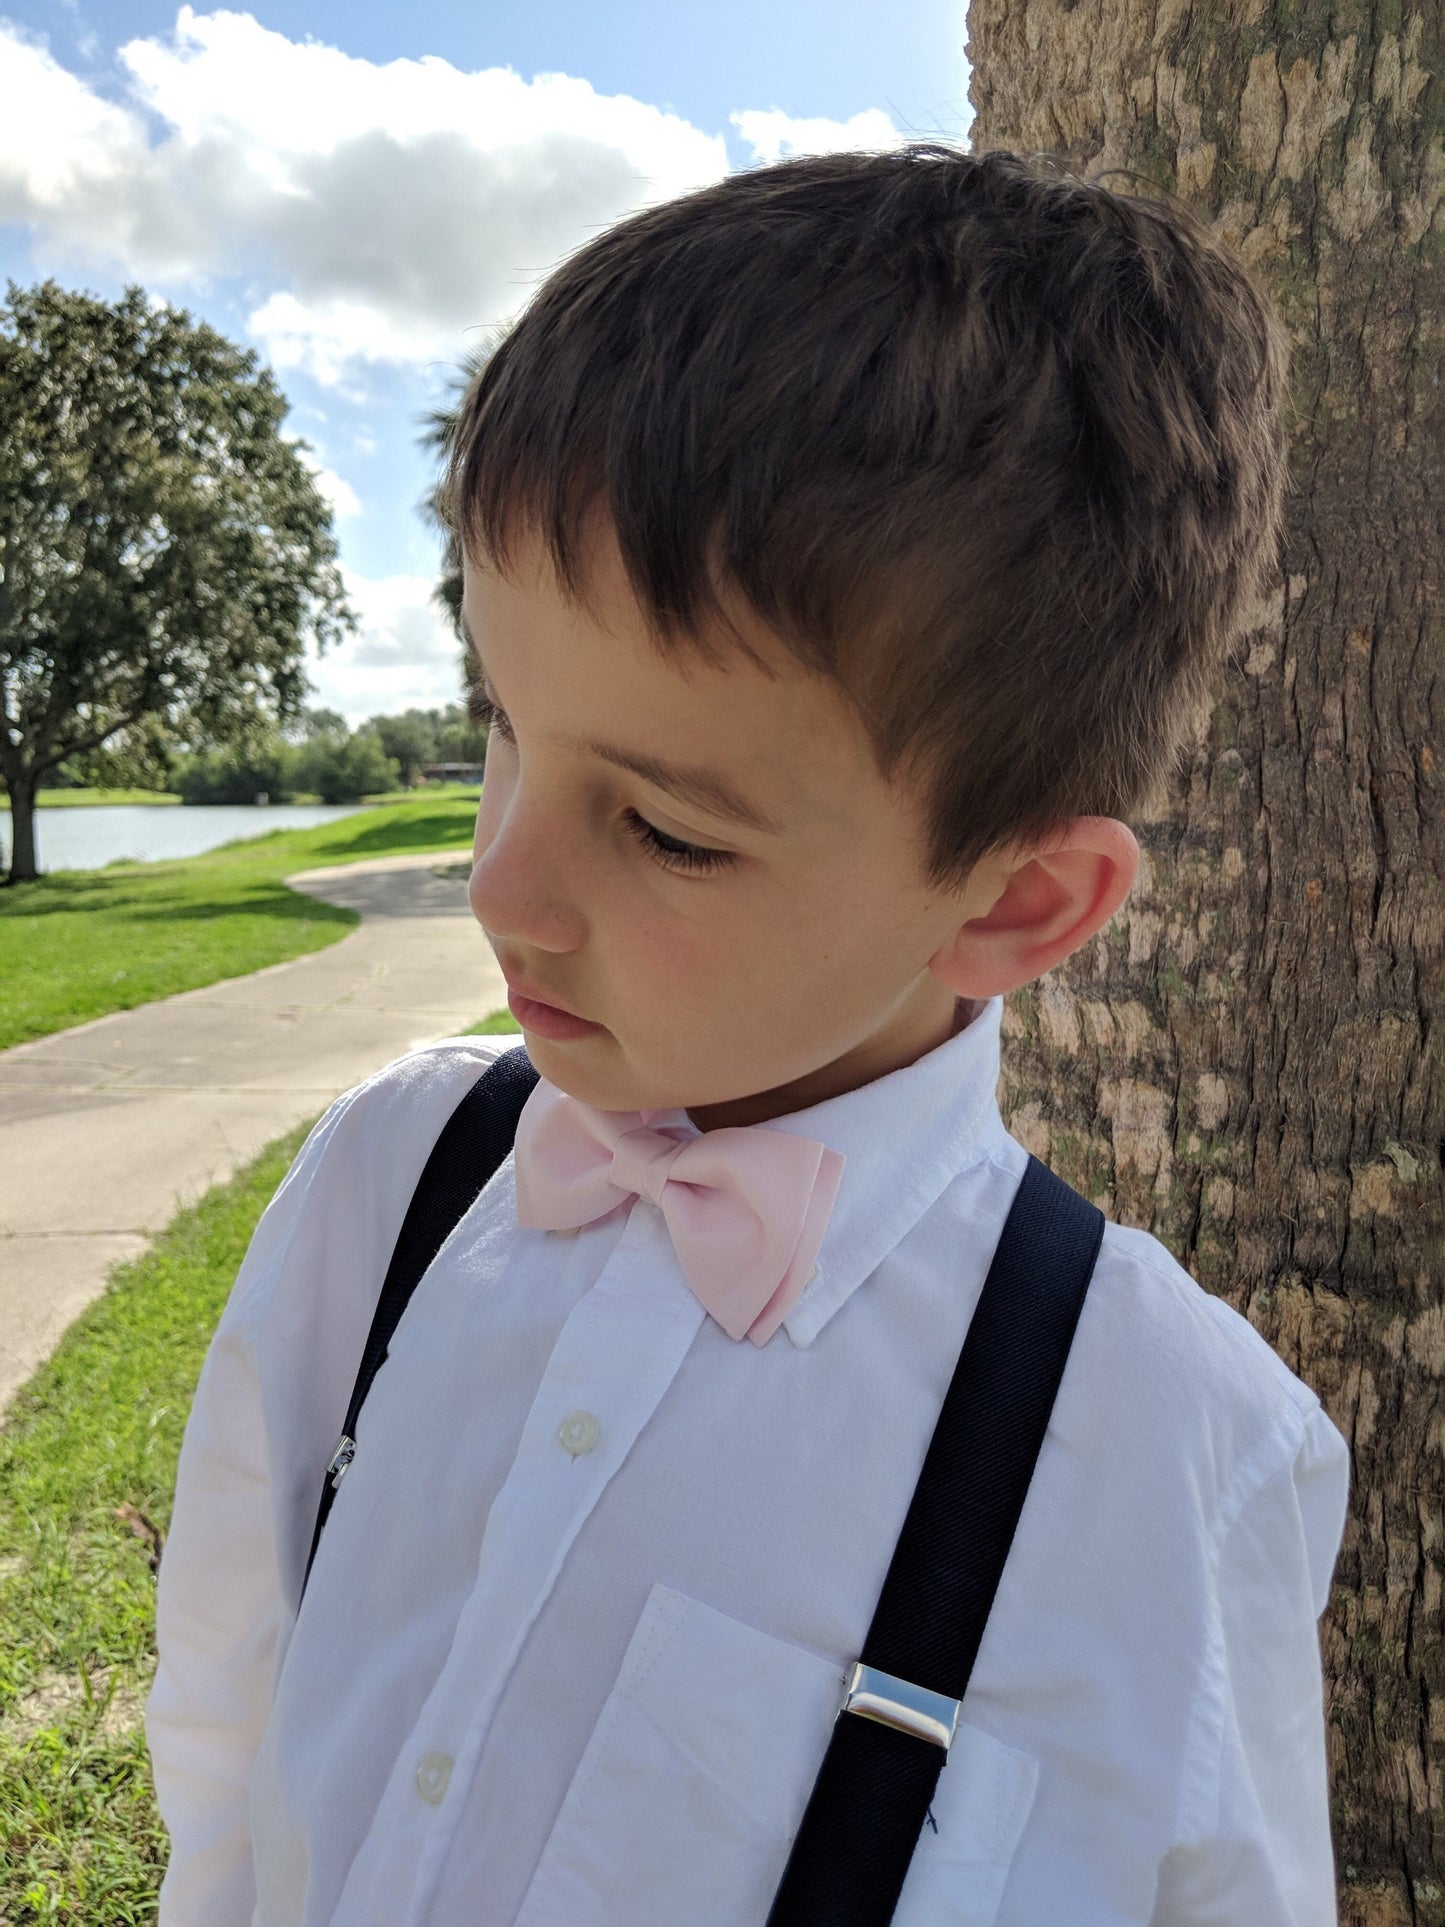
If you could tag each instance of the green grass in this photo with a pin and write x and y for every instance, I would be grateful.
(96, 1433)
(428, 793)
(79, 799)
(500, 1023)
(87, 1466)
(79, 943)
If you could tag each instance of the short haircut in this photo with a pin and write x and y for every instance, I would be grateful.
(998, 449)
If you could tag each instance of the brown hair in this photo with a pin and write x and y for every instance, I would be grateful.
(996, 448)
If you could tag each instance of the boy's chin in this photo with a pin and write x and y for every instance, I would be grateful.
(579, 1069)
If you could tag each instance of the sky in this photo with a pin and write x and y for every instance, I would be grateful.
(363, 191)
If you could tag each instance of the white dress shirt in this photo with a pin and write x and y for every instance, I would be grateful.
(579, 1623)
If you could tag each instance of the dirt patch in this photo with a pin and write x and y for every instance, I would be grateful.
(60, 1698)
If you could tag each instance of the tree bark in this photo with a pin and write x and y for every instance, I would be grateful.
(22, 830)
(1242, 1061)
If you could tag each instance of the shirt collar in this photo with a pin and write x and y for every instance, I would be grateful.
(905, 1136)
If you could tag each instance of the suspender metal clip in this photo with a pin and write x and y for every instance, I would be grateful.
(340, 1459)
(875, 1695)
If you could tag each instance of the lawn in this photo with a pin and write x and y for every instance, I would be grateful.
(501, 1022)
(80, 799)
(87, 1465)
(79, 943)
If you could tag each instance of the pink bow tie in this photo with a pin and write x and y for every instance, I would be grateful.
(747, 1208)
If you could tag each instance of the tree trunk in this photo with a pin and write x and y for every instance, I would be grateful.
(22, 830)
(1242, 1061)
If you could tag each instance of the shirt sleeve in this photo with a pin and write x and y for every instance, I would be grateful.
(1255, 1835)
(219, 1606)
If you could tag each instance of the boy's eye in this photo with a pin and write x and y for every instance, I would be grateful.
(485, 713)
(670, 851)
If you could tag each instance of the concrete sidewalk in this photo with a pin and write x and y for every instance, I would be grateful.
(107, 1129)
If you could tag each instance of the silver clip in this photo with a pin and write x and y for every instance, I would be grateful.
(340, 1459)
(875, 1695)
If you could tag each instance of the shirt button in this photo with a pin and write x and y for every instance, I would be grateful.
(578, 1433)
(433, 1777)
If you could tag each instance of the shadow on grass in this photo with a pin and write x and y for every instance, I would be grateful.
(436, 830)
(264, 897)
(68, 890)
(285, 905)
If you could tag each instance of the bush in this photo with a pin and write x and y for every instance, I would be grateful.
(340, 768)
(330, 763)
(236, 773)
(359, 767)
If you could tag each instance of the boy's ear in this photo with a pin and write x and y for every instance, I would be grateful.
(1047, 900)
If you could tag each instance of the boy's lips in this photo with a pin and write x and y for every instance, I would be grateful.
(548, 1019)
(532, 995)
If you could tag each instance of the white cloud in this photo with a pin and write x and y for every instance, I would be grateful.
(775, 136)
(387, 208)
(56, 137)
(338, 491)
(404, 654)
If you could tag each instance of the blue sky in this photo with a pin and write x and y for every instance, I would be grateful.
(361, 190)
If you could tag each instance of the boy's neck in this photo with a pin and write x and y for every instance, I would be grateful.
(890, 1049)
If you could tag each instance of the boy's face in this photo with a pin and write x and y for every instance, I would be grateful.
(793, 967)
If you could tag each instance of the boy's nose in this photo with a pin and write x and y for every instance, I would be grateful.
(521, 884)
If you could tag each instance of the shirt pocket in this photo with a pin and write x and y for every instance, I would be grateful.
(693, 1783)
(984, 1796)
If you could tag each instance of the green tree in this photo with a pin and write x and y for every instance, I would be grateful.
(338, 766)
(358, 767)
(409, 739)
(459, 739)
(142, 758)
(317, 722)
(260, 764)
(439, 425)
(164, 551)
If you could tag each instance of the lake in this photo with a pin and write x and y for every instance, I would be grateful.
(85, 838)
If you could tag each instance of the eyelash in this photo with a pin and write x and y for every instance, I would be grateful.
(668, 851)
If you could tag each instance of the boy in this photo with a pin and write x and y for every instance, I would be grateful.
(848, 547)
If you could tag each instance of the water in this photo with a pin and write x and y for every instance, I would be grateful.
(86, 838)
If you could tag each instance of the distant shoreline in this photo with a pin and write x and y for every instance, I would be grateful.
(112, 799)
(101, 799)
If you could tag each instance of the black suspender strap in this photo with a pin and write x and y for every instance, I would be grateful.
(472, 1147)
(889, 1742)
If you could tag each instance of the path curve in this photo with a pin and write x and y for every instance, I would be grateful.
(108, 1129)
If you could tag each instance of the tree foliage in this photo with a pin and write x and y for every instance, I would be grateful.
(418, 737)
(164, 550)
(140, 758)
(439, 425)
(318, 757)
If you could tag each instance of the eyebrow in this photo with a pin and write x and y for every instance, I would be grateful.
(706, 789)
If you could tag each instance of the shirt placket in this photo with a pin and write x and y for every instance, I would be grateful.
(613, 1361)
